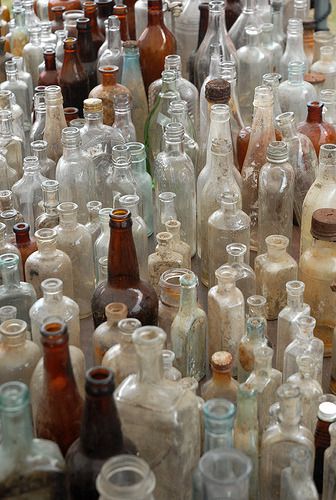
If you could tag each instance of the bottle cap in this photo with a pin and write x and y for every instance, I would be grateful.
(218, 90)
(93, 105)
(221, 361)
(323, 224)
(327, 411)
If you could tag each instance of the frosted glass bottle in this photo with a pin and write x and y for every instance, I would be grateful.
(275, 195)
(248, 17)
(174, 172)
(310, 390)
(296, 480)
(18, 355)
(304, 343)
(321, 193)
(75, 240)
(295, 93)
(327, 66)
(48, 262)
(101, 245)
(329, 472)
(121, 357)
(189, 331)
(281, 439)
(273, 270)
(294, 47)
(226, 314)
(162, 259)
(302, 157)
(246, 279)
(10, 142)
(174, 227)
(54, 303)
(93, 225)
(107, 334)
(226, 225)
(251, 340)
(55, 122)
(286, 326)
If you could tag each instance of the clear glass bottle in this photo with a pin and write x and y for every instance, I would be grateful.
(275, 195)
(121, 358)
(101, 245)
(174, 171)
(162, 259)
(7, 312)
(296, 480)
(218, 414)
(174, 227)
(39, 119)
(33, 54)
(75, 173)
(328, 97)
(248, 17)
(19, 35)
(286, 326)
(262, 134)
(61, 36)
(93, 224)
(273, 47)
(273, 270)
(7, 247)
(111, 51)
(280, 439)
(120, 181)
(169, 371)
(13, 291)
(8, 176)
(10, 218)
(24, 76)
(169, 410)
(251, 340)
(11, 144)
(8, 101)
(221, 384)
(304, 343)
(256, 305)
(186, 32)
(178, 111)
(55, 122)
(75, 240)
(50, 193)
(107, 334)
(321, 39)
(226, 314)
(310, 389)
(225, 225)
(294, 47)
(31, 466)
(122, 117)
(189, 330)
(327, 66)
(48, 166)
(246, 279)
(19, 89)
(329, 484)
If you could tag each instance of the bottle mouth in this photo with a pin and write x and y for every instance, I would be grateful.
(52, 285)
(54, 331)
(13, 327)
(128, 325)
(14, 396)
(9, 260)
(21, 227)
(45, 235)
(149, 336)
(99, 381)
(218, 410)
(120, 217)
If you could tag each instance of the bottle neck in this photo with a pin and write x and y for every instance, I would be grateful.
(218, 433)
(47, 248)
(221, 165)
(17, 432)
(122, 118)
(150, 365)
(57, 365)
(71, 151)
(188, 299)
(50, 62)
(11, 76)
(10, 276)
(295, 77)
(122, 264)
(263, 368)
(155, 13)
(276, 254)
(225, 286)
(314, 115)
(294, 43)
(295, 302)
(113, 39)
(54, 297)
(175, 147)
(288, 130)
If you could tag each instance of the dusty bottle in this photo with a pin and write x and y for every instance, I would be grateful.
(248, 17)
(48, 166)
(246, 279)
(162, 259)
(49, 76)
(329, 467)
(49, 218)
(319, 131)
(179, 246)
(221, 384)
(25, 245)
(326, 415)
(296, 480)
(107, 334)
(294, 47)
(55, 121)
(12, 145)
(326, 66)
(33, 54)
(19, 89)
(253, 339)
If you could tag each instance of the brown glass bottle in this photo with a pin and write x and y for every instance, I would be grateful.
(49, 76)
(326, 415)
(68, 4)
(121, 11)
(70, 113)
(155, 43)
(131, 18)
(57, 18)
(319, 131)
(25, 245)
(86, 50)
(233, 9)
(100, 435)
(59, 408)
(104, 10)
(90, 11)
(221, 385)
(123, 283)
(73, 79)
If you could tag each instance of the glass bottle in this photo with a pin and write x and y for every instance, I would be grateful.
(13, 291)
(39, 119)
(251, 340)
(316, 270)
(275, 195)
(178, 111)
(155, 35)
(57, 407)
(287, 318)
(27, 190)
(169, 371)
(50, 193)
(121, 357)
(319, 131)
(111, 52)
(272, 80)
(326, 66)
(329, 483)
(273, 270)
(25, 245)
(93, 224)
(280, 439)
(10, 218)
(24, 76)
(8, 101)
(18, 355)
(246, 279)
(170, 419)
(123, 283)
(296, 480)
(104, 10)
(221, 384)
(256, 309)
(121, 11)
(310, 389)
(273, 47)
(222, 472)
(122, 117)
(8, 175)
(19, 34)
(11, 144)
(328, 97)
(120, 181)
(90, 11)
(49, 75)
(106, 91)
(162, 259)
(7, 203)
(33, 466)
(294, 50)
(126, 476)
(262, 134)
(167, 209)
(55, 122)
(61, 36)
(186, 32)
(75, 240)
(248, 17)
(177, 245)
(7, 247)
(96, 443)
(246, 432)
(57, 18)
(302, 157)
(7, 312)
(326, 415)
(32, 54)
(47, 37)
(321, 39)
(218, 414)
(226, 314)
(19, 89)
(75, 172)
(54, 303)
(101, 245)
(304, 343)
(295, 93)
(86, 50)
(189, 330)
(48, 166)
(174, 171)
(107, 334)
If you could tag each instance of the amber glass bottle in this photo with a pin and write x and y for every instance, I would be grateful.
(123, 283)
(57, 18)
(326, 415)
(49, 75)
(155, 43)
(70, 113)
(68, 4)
(233, 9)
(90, 11)
(121, 11)
(104, 10)
(58, 413)
(131, 18)
(23, 242)
(86, 50)
(319, 131)
(100, 435)
(73, 79)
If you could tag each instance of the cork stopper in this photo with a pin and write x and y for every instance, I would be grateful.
(218, 91)
(93, 105)
(323, 224)
(314, 78)
(221, 361)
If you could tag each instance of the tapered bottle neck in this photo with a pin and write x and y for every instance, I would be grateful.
(122, 258)
(155, 13)
(113, 39)
(57, 362)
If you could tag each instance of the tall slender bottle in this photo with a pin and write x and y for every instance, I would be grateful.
(86, 50)
(294, 47)
(55, 122)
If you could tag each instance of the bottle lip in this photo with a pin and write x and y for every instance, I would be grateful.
(67, 207)
(50, 185)
(120, 218)
(116, 310)
(108, 70)
(54, 331)
(277, 241)
(13, 327)
(285, 118)
(189, 280)
(127, 326)
(236, 249)
(218, 409)
(39, 145)
(271, 79)
(277, 152)
(9, 260)
(21, 228)
(167, 196)
(94, 206)
(52, 285)
(45, 235)
(295, 287)
(226, 273)
(104, 214)
(99, 381)
(14, 396)
(323, 224)
(256, 300)
(129, 200)
(149, 336)
(306, 322)
(328, 96)
(171, 278)
(228, 198)
(164, 238)
(8, 311)
(327, 411)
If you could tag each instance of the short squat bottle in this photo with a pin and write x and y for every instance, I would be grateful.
(221, 384)
(162, 259)
(107, 334)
